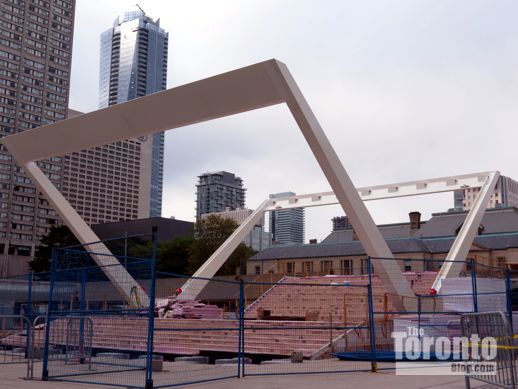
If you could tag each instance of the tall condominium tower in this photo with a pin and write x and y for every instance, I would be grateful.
(35, 54)
(287, 225)
(123, 181)
(217, 191)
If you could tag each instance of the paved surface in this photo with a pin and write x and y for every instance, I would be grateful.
(10, 378)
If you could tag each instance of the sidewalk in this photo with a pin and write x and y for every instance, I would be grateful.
(10, 378)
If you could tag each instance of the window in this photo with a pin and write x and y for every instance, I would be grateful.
(258, 270)
(365, 266)
(307, 267)
(326, 267)
(290, 267)
(346, 267)
(407, 265)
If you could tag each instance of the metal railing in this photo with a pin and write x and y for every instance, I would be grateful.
(10, 353)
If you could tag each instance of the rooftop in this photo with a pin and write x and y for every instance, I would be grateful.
(499, 231)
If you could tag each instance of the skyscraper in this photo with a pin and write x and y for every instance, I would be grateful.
(217, 191)
(35, 54)
(287, 225)
(123, 181)
(134, 64)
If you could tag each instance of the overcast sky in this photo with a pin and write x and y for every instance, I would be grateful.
(405, 90)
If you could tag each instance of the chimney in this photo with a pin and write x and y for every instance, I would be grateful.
(415, 220)
(313, 241)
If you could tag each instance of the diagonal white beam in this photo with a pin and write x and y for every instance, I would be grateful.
(193, 287)
(368, 233)
(458, 253)
(115, 272)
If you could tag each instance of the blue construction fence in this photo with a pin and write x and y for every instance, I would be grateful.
(158, 329)
(99, 294)
(434, 309)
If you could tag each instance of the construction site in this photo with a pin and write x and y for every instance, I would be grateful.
(102, 317)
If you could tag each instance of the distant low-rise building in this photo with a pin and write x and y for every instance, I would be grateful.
(504, 195)
(341, 223)
(167, 229)
(342, 253)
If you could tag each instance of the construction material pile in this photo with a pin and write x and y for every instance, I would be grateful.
(171, 307)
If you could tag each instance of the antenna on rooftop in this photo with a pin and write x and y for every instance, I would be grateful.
(140, 9)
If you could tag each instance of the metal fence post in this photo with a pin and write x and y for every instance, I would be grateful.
(151, 322)
(53, 270)
(419, 308)
(28, 313)
(28, 309)
(241, 321)
(474, 284)
(509, 296)
(82, 308)
(372, 330)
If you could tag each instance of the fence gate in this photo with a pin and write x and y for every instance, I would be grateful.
(16, 341)
(78, 345)
(496, 325)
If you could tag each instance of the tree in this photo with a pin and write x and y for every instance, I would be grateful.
(173, 255)
(58, 236)
(210, 233)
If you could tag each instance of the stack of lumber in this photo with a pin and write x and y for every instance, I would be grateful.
(189, 309)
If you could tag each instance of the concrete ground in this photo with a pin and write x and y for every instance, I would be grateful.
(10, 377)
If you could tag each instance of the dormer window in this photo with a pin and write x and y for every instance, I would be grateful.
(480, 229)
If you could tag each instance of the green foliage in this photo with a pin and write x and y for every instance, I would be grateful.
(58, 236)
(181, 255)
(210, 233)
(173, 255)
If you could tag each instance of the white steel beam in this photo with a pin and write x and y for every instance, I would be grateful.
(372, 241)
(458, 253)
(193, 287)
(115, 272)
(257, 86)
(387, 191)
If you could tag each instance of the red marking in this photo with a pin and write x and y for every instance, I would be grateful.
(432, 292)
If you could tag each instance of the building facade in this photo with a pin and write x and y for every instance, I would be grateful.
(35, 60)
(123, 180)
(104, 183)
(167, 229)
(257, 239)
(219, 191)
(504, 195)
(413, 243)
(287, 225)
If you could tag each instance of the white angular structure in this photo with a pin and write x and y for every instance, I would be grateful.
(261, 85)
(484, 181)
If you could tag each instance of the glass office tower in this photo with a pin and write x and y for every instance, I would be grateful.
(134, 64)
